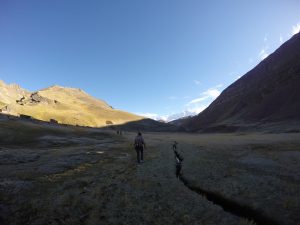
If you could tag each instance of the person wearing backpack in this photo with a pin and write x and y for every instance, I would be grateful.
(139, 145)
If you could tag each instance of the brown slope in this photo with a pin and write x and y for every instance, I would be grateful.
(268, 93)
(66, 105)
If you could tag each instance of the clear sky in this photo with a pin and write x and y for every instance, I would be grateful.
(156, 56)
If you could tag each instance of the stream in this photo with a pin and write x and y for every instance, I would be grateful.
(227, 205)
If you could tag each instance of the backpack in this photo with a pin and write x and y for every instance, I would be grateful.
(139, 142)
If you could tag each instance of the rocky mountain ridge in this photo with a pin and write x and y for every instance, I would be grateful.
(63, 104)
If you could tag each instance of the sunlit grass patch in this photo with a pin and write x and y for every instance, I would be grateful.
(68, 173)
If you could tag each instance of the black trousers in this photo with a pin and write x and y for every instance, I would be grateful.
(139, 154)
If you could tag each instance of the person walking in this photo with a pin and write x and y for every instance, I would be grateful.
(139, 145)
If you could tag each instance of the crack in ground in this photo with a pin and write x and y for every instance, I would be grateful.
(227, 205)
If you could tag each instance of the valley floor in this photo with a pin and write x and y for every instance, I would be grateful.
(70, 175)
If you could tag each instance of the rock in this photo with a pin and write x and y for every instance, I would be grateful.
(25, 117)
(53, 121)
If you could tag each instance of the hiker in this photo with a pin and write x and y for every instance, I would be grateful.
(139, 145)
(175, 145)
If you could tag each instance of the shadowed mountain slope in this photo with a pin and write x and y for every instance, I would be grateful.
(148, 125)
(269, 93)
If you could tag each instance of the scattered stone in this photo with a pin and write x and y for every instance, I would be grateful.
(53, 121)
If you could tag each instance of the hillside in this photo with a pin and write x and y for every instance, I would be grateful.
(9, 93)
(65, 105)
(267, 94)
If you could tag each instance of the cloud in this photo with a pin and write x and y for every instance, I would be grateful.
(209, 94)
(197, 82)
(266, 38)
(263, 53)
(193, 107)
(212, 93)
(281, 39)
(201, 99)
(197, 105)
(148, 115)
(238, 77)
(153, 116)
(168, 118)
(296, 29)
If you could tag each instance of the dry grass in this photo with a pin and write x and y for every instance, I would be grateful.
(2, 104)
(93, 181)
(258, 170)
(72, 175)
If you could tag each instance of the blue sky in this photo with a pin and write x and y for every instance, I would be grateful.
(153, 57)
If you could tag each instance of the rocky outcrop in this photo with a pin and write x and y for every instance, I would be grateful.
(34, 98)
(9, 93)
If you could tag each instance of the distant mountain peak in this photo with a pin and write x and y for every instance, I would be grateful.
(55, 86)
(12, 85)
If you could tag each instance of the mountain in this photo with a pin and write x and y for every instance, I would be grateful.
(180, 115)
(9, 93)
(268, 94)
(65, 105)
(170, 118)
(180, 122)
(149, 125)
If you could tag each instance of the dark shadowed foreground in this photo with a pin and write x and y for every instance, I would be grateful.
(71, 175)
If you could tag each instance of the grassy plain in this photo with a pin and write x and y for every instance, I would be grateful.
(71, 175)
